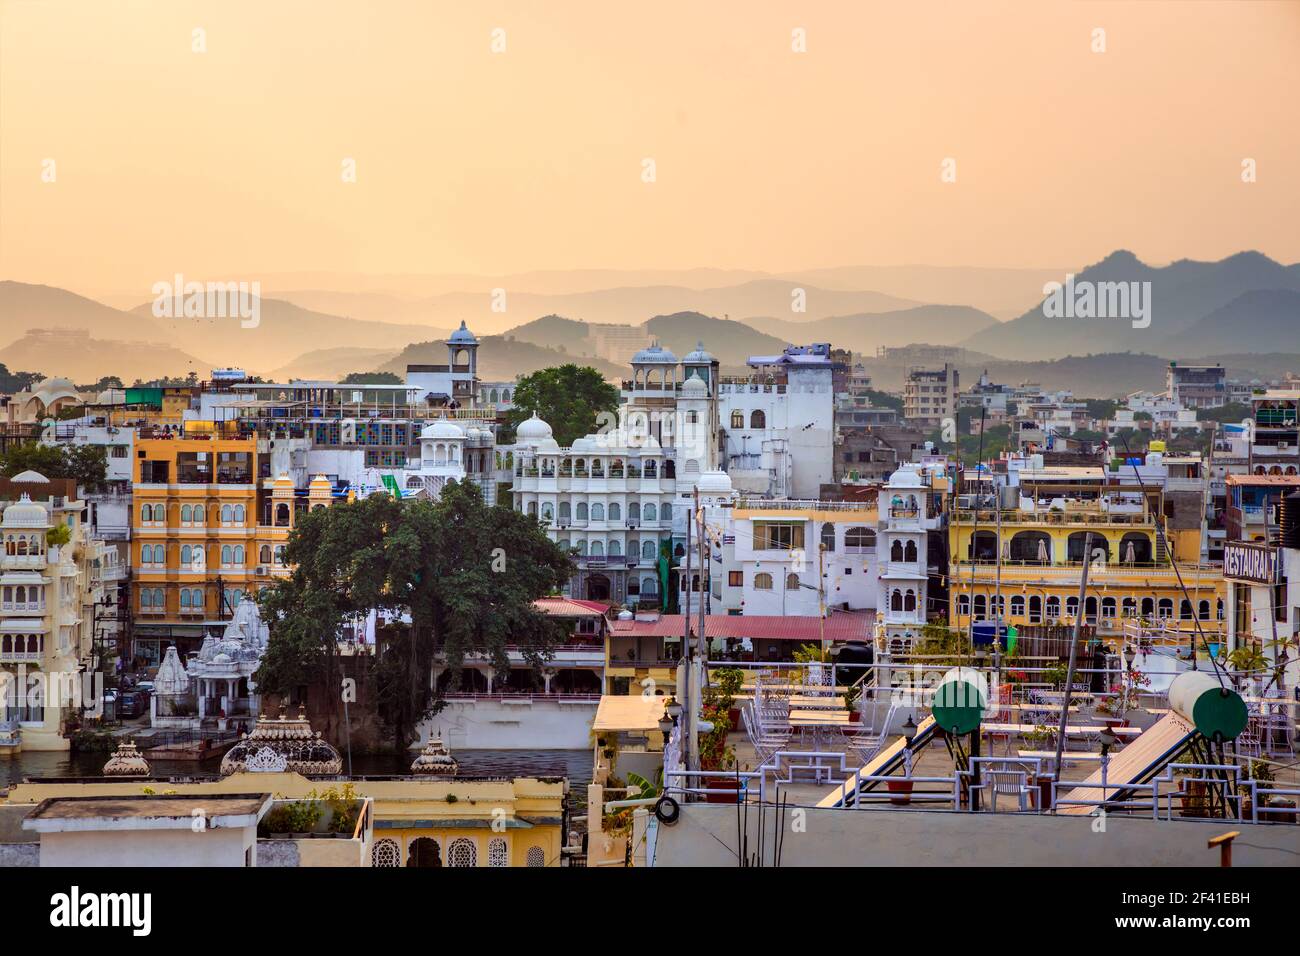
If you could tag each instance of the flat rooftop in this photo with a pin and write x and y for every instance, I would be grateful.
(59, 814)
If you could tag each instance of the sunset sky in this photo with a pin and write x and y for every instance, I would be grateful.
(227, 163)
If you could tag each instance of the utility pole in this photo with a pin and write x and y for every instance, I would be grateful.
(690, 709)
(1074, 649)
(821, 596)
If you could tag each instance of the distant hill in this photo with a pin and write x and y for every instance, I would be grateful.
(1268, 316)
(626, 305)
(499, 359)
(1108, 375)
(74, 354)
(330, 364)
(1182, 294)
(556, 332)
(730, 342)
(867, 331)
(25, 306)
(283, 329)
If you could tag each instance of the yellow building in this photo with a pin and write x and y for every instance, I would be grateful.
(1042, 544)
(490, 823)
(207, 532)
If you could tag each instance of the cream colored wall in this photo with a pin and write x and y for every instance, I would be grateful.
(119, 848)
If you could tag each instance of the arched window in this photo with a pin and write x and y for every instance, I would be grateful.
(566, 512)
(1218, 609)
(226, 555)
(650, 469)
(909, 600)
(385, 853)
(615, 549)
(239, 514)
(981, 607)
(1185, 610)
(649, 512)
(146, 512)
(633, 511)
(792, 582)
(1030, 547)
(497, 854)
(264, 554)
(762, 581)
(828, 537)
(282, 515)
(582, 511)
(462, 853)
(1108, 609)
(597, 512)
(1072, 607)
(597, 549)
(1165, 609)
(185, 599)
(1148, 607)
(536, 856)
(1053, 608)
(1203, 610)
(187, 514)
(896, 600)
(757, 419)
(187, 555)
(896, 551)
(1035, 609)
(615, 511)
(199, 514)
(963, 604)
(1090, 609)
(582, 546)
(997, 607)
(1129, 607)
(909, 553)
(647, 550)
(159, 513)
(239, 555)
(1017, 606)
(546, 512)
(227, 514)
(666, 512)
(737, 419)
(858, 540)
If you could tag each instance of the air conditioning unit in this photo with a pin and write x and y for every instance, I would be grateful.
(260, 571)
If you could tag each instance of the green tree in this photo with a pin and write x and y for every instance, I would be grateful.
(88, 464)
(11, 382)
(465, 573)
(569, 398)
(1232, 413)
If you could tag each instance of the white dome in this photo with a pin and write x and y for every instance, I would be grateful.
(694, 386)
(462, 336)
(714, 483)
(533, 429)
(24, 513)
(654, 355)
(442, 429)
(31, 477)
(549, 446)
(905, 477)
(699, 356)
(586, 443)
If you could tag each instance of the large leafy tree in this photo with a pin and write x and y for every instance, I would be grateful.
(569, 398)
(88, 464)
(464, 573)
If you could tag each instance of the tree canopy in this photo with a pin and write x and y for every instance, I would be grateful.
(371, 378)
(569, 398)
(11, 382)
(88, 464)
(463, 573)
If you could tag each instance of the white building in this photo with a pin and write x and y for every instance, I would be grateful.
(906, 517)
(778, 424)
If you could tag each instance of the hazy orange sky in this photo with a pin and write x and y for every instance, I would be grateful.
(227, 163)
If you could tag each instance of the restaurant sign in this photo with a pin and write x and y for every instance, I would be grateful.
(1249, 562)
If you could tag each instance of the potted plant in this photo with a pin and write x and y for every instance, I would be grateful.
(722, 694)
(715, 754)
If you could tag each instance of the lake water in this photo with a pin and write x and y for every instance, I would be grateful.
(576, 765)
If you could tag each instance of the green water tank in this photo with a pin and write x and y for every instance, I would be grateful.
(960, 699)
(1216, 711)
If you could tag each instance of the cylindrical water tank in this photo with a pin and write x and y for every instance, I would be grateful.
(959, 700)
(1216, 712)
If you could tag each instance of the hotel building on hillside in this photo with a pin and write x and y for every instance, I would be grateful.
(930, 395)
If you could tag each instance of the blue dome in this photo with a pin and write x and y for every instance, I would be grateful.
(462, 336)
